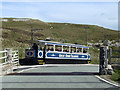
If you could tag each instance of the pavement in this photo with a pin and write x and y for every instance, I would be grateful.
(57, 76)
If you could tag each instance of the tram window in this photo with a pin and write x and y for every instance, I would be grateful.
(84, 50)
(65, 49)
(73, 49)
(58, 48)
(79, 50)
(49, 48)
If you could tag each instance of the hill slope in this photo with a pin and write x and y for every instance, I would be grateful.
(20, 31)
(17, 32)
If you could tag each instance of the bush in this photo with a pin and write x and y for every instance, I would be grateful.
(116, 76)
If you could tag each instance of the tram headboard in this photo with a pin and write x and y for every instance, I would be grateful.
(29, 53)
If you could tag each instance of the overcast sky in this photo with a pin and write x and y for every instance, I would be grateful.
(93, 13)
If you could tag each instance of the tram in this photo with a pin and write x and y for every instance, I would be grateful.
(55, 52)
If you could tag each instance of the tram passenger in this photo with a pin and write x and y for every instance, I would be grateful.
(35, 47)
(51, 49)
(41, 48)
(74, 50)
(59, 49)
(67, 50)
(48, 49)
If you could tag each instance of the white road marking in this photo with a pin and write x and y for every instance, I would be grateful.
(107, 81)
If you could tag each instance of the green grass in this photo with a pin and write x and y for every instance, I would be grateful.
(17, 34)
(116, 76)
(94, 55)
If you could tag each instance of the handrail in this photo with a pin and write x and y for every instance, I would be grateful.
(3, 51)
(3, 57)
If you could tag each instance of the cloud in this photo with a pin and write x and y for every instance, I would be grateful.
(104, 14)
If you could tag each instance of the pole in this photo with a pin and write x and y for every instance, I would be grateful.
(31, 36)
(86, 36)
(104, 40)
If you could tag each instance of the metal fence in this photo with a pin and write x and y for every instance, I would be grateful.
(115, 59)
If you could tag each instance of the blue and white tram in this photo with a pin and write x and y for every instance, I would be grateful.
(55, 52)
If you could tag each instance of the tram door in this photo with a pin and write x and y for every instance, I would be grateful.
(44, 52)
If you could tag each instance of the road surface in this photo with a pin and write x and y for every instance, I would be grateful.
(56, 76)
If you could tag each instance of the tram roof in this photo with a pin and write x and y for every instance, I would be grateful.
(59, 44)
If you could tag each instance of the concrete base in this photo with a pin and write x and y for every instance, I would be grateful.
(107, 71)
(6, 69)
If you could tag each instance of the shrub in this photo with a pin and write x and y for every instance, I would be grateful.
(116, 76)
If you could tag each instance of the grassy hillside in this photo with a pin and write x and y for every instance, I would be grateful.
(18, 33)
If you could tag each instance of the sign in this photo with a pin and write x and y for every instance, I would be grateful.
(40, 54)
(30, 53)
(63, 55)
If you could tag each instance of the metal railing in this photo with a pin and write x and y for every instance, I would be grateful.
(115, 57)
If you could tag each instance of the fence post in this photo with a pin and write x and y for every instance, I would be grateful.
(18, 58)
(102, 60)
(109, 56)
(5, 55)
(9, 58)
(105, 56)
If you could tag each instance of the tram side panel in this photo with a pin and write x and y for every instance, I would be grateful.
(63, 57)
(56, 57)
(60, 55)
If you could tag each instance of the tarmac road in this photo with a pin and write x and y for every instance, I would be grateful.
(57, 76)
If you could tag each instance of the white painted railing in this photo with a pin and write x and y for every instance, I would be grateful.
(9, 60)
(15, 57)
(3, 57)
